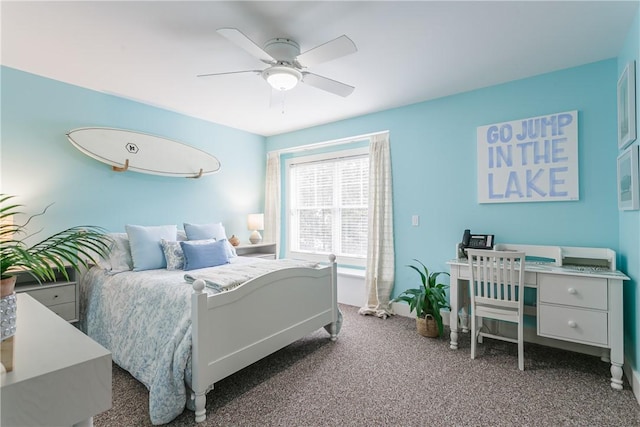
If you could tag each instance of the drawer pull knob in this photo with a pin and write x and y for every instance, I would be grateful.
(572, 291)
(572, 324)
(55, 296)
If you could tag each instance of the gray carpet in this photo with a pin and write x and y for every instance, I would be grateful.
(382, 373)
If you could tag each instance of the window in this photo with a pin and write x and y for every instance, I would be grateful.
(327, 206)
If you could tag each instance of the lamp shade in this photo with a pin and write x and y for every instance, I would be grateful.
(255, 221)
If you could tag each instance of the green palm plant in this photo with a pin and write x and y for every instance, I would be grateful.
(428, 298)
(75, 246)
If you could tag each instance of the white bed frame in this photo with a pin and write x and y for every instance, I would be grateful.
(260, 317)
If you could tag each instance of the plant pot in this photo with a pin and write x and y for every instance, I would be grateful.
(7, 321)
(7, 286)
(427, 326)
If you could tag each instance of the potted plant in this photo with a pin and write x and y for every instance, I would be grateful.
(75, 247)
(427, 300)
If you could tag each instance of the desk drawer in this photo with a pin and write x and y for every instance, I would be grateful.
(583, 326)
(53, 295)
(577, 291)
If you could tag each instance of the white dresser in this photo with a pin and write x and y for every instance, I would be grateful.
(60, 376)
(578, 307)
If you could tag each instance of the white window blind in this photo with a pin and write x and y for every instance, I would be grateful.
(327, 204)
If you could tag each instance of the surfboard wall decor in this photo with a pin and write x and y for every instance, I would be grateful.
(129, 150)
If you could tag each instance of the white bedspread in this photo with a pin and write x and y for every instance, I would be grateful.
(144, 319)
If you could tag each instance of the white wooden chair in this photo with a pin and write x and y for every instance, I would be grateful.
(496, 286)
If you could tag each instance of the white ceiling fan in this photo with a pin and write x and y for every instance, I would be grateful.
(286, 63)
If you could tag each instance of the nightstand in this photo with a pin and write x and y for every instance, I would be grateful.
(259, 250)
(59, 296)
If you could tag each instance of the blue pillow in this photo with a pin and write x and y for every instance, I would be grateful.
(197, 255)
(214, 230)
(146, 250)
(205, 231)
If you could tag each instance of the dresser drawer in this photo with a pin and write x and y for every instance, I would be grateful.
(54, 295)
(583, 326)
(577, 291)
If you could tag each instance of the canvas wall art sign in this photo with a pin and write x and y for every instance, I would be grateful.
(529, 160)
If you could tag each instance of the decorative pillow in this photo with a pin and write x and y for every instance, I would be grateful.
(173, 254)
(204, 255)
(146, 250)
(213, 230)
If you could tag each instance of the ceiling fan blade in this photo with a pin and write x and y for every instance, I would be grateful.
(329, 85)
(238, 38)
(328, 51)
(229, 72)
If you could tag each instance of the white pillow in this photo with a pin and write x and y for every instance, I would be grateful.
(119, 257)
(146, 250)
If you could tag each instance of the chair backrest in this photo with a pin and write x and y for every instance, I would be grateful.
(548, 252)
(496, 277)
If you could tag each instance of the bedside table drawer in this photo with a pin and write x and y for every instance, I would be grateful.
(67, 310)
(263, 256)
(583, 326)
(587, 292)
(54, 295)
(260, 250)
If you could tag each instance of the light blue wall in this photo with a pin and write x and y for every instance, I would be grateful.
(41, 166)
(433, 151)
(630, 221)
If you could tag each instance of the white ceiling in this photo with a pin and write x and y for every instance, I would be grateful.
(151, 51)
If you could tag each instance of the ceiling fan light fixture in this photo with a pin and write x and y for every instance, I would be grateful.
(282, 77)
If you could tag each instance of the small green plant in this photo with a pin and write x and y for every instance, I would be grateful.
(75, 246)
(428, 298)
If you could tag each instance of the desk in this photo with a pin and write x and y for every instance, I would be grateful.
(60, 376)
(577, 305)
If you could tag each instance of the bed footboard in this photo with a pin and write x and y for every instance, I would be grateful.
(234, 329)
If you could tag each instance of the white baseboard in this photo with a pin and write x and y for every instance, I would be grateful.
(402, 309)
(351, 289)
(634, 380)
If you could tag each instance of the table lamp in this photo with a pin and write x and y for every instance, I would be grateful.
(255, 222)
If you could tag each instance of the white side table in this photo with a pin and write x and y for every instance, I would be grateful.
(60, 376)
(258, 250)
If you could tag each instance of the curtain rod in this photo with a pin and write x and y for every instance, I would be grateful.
(328, 143)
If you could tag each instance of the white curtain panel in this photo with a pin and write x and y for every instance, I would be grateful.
(379, 276)
(272, 200)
